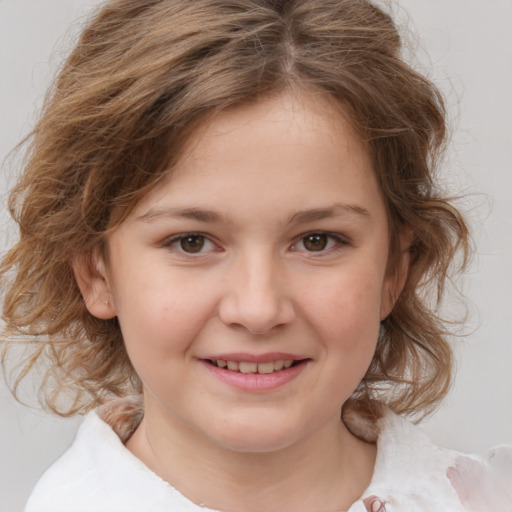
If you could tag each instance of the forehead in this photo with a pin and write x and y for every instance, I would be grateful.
(292, 117)
(287, 151)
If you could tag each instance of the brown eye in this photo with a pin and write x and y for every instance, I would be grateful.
(315, 242)
(192, 243)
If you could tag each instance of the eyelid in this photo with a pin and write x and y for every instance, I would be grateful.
(340, 241)
(170, 242)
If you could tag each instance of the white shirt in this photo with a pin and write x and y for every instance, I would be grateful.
(99, 474)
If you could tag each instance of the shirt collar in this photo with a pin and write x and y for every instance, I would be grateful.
(410, 471)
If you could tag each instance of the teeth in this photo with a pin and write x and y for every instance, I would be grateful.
(233, 365)
(266, 367)
(249, 367)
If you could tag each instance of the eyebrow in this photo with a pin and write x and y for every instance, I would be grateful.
(300, 217)
(198, 214)
(336, 210)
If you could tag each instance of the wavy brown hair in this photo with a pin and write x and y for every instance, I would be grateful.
(143, 74)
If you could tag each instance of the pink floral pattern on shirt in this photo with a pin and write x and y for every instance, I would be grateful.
(484, 486)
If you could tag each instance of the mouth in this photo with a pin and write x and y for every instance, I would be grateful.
(253, 367)
(256, 373)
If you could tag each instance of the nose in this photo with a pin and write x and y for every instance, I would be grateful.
(256, 297)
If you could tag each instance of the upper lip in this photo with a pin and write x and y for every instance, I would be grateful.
(255, 358)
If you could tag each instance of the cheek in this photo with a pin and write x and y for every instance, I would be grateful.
(159, 328)
(160, 318)
(353, 292)
(346, 309)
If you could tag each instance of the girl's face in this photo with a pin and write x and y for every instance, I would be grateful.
(267, 247)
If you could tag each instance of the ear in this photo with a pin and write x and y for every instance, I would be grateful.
(396, 275)
(92, 279)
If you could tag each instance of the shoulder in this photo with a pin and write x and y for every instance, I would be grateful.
(67, 481)
(413, 474)
(98, 474)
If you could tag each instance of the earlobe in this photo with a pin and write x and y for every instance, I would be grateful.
(92, 279)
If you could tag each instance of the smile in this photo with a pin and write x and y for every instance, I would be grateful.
(255, 373)
(252, 367)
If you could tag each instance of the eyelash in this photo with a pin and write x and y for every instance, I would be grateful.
(334, 242)
(172, 243)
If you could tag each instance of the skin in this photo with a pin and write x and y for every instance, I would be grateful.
(255, 182)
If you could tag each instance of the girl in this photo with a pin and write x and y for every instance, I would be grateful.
(229, 227)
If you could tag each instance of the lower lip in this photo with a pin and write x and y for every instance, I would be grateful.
(256, 381)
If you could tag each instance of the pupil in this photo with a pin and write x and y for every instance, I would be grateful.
(315, 242)
(192, 243)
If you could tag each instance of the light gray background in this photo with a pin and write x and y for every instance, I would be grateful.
(469, 46)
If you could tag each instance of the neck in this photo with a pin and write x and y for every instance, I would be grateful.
(327, 470)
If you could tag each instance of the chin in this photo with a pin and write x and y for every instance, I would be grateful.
(257, 436)
(257, 443)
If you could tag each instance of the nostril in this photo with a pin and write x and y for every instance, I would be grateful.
(257, 303)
